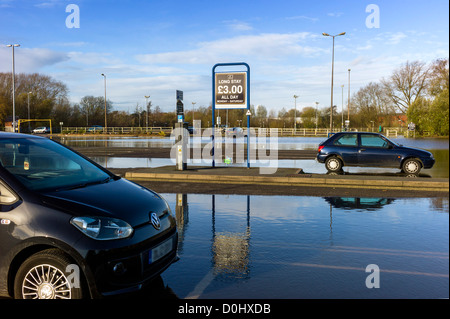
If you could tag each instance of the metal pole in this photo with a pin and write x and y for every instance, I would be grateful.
(29, 125)
(146, 119)
(14, 90)
(295, 113)
(332, 82)
(317, 105)
(13, 86)
(106, 124)
(332, 77)
(342, 113)
(348, 102)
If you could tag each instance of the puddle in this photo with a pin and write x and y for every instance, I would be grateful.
(293, 247)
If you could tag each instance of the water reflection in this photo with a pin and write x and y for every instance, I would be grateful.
(440, 170)
(285, 143)
(238, 246)
(439, 148)
(364, 203)
(231, 249)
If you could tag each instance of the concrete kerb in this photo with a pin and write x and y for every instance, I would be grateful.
(309, 181)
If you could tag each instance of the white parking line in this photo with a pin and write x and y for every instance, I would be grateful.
(201, 286)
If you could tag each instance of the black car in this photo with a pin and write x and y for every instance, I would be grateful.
(371, 149)
(71, 229)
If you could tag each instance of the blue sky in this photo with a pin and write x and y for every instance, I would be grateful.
(156, 47)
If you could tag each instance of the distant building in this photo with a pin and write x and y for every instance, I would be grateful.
(9, 123)
(399, 119)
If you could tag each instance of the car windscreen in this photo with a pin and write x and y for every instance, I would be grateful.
(42, 164)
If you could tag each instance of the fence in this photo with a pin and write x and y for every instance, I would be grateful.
(117, 130)
(166, 131)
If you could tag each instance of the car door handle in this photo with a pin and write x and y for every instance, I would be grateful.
(362, 149)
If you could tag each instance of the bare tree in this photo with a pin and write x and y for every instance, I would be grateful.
(439, 77)
(372, 104)
(406, 84)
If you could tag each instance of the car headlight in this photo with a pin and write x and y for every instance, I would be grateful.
(102, 228)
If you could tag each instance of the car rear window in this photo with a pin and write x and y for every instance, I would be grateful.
(347, 140)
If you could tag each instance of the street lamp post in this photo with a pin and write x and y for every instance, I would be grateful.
(13, 86)
(193, 113)
(106, 123)
(29, 124)
(317, 105)
(342, 113)
(348, 101)
(332, 76)
(295, 113)
(146, 118)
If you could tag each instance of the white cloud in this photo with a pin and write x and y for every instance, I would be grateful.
(271, 46)
(236, 25)
(29, 60)
(303, 18)
(335, 14)
(93, 58)
(49, 3)
(395, 38)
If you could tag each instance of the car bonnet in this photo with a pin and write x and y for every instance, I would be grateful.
(117, 199)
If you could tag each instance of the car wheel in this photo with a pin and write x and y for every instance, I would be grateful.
(411, 166)
(45, 276)
(333, 164)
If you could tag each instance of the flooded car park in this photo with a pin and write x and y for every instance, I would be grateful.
(289, 247)
(439, 148)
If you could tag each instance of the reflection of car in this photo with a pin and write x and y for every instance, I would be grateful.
(371, 149)
(234, 132)
(95, 128)
(41, 130)
(365, 204)
(70, 229)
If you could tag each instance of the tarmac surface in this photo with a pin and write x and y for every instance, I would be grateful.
(285, 181)
(164, 152)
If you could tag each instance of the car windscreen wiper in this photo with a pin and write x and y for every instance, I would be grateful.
(82, 185)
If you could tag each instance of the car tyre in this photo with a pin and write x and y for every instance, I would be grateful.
(45, 275)
(333, 164)
(411, 166)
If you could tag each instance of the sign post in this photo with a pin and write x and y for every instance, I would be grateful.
(231, 90)
(180, 107)
(181, 129)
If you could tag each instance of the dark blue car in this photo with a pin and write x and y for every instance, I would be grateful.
(371, 149)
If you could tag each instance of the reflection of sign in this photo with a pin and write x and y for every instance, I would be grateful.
(411, 126)
(231, 90)
(231, 253)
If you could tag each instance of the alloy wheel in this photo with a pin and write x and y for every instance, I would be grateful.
(45, 282)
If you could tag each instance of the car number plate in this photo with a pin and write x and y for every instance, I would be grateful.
(160, 251)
